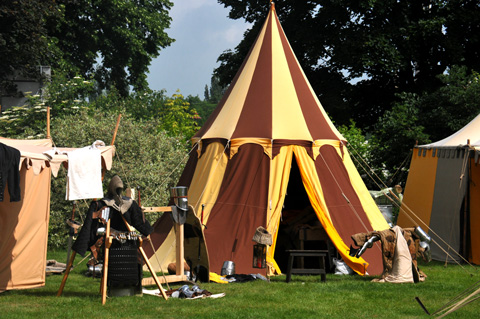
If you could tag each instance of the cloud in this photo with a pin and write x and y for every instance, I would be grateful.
(182, 8)
(234, 34)
(202, 31)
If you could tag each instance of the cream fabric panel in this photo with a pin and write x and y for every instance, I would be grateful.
(207, 179)
(234, 104)
(164, 255)
(24, 233)
(469, 132)
(33, 157)
(279, 176)
(287, 116)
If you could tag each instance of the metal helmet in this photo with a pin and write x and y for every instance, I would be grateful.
(115, 189)
(179, 195)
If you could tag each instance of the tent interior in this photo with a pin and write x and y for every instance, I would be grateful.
(300, 227)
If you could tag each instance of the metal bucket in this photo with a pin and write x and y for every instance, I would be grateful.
(228, 268)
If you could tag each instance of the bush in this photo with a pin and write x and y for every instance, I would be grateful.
(144, 157)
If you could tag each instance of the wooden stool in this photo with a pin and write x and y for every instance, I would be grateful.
(321, 254)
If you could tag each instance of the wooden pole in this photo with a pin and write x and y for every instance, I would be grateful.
(48, 121)
(116, 129)
(108, 243)
(179, 230)
(67, 271)
(145, 258)
(152, 271)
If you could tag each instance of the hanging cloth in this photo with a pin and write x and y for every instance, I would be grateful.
(9, 172)
(84, 179)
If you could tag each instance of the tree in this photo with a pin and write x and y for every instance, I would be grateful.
(206, 93)
(370, 50)
(113, 41)
(64, 96)
(360, 149)
(425, 118)
(176, 117)
(23, 39)
(396, 133)
(453, 105)
(121, 35)
(140, 105)
(216, 91)
(203, 108)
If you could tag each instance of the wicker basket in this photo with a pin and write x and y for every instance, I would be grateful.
(262, 236)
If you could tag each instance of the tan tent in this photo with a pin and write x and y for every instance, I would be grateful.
(442, 194)
(24, 224)
(270, 136)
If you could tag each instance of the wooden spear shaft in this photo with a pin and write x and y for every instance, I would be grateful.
(116, 129)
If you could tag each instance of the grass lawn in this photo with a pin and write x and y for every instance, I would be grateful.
(304, 297)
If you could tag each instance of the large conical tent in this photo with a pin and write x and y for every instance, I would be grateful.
(441, 194)
(269, 124)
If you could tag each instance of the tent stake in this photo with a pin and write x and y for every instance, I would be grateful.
(421, 305)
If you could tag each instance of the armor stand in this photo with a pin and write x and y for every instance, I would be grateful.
(103, 286)
(179, 255)
(144, 256)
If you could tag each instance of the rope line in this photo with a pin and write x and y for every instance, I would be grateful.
(159, 264)
(403, 208)
(459, 296)
(434, 233)
(453, 305)
(343, 193)
(409, 155)
(157, 190)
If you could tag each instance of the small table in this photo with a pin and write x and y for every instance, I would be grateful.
(321, 254)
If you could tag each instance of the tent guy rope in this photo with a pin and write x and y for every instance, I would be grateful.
(404, 208)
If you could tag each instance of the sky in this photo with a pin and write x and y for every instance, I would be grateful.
(202, 31)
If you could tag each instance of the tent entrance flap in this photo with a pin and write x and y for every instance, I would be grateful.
(299, 226)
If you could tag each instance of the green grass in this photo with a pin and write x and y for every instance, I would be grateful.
(304, 297)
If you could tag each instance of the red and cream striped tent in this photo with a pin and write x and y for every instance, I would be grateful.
(269, 121)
